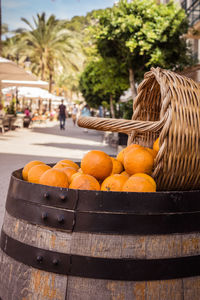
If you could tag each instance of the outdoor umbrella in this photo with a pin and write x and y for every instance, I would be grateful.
(27, 92)
(31, 92)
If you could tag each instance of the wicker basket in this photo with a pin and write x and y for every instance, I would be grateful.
(168, 106)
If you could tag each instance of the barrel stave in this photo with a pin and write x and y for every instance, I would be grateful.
(29, 283)
(21, 282)
(103, 245)
(83, 242)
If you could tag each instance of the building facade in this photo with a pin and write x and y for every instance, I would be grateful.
(192, 9)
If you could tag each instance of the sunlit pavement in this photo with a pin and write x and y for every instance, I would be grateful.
(45, 142)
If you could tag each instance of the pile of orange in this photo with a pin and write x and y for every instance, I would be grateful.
(130, 171)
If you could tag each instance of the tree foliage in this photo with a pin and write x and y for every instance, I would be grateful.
(4, 29)
(102, 79)
(142, 34)
(49, 45)
(12, 47)
(130, 37)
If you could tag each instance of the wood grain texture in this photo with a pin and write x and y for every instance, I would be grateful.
(102, 245)
(20, 282)
(34, 235)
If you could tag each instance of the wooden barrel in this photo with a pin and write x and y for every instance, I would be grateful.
(85, 245)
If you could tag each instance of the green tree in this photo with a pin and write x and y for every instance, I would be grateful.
(68, 82)
(103, 80)
(50, 47)
(4, 28)
(13, 47)
(77, 23)
(141, 34)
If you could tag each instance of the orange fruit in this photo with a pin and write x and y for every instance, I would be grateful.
(152, 152)
(117, 166)
(147, 177)
(114, 182)
(66, 163)
(124, 173)
(69, 172)
(71, 163)
(28, 166)
(156, 145)
(36, 172)
(54, 177)
(138, 161)
(120, 156)
(138, 184)
(80, 170)
(97, 163)
(122, 153)
(130, 147)
(60, 165)
(85, 182)
(75, 175)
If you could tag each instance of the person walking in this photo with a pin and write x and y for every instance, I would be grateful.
(85, 112)
(62, 115)
(74, 114)
(101, 112)
(27, 117)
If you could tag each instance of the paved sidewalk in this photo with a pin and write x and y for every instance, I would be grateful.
(45, 142)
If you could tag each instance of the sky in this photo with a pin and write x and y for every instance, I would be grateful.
(13, 10)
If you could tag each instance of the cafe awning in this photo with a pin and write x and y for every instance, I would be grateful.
(12, 74)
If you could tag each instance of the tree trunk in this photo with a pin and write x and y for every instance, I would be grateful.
(40, 106)
(132, 83)
(71, 95)
(42, 68)
(112, 107)
(50, 82)
(50, 104)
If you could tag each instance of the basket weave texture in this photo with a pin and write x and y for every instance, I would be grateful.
(167, 106)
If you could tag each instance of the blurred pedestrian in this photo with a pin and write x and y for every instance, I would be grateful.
(62, 115)
(27, 112)
(27, 117)
(85, 112)
(74, 114)
(101, 112)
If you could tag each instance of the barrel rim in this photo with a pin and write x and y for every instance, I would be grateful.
(103, 212)
(102, 201)
(13, 174)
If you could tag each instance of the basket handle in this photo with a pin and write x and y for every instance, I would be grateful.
(121, 125)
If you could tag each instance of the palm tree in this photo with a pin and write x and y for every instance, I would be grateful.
(69, 81)
(49, 46)
(4, 29)
(12, 48)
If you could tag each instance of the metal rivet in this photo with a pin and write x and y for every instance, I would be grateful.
(172, 196)
(46, 195)
(39, 258)
(63, 197)
(175, 197)
(55, 261)
(61, 219)
(44, 216)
